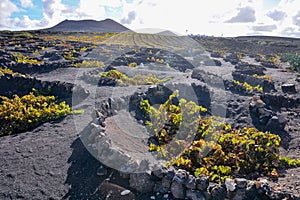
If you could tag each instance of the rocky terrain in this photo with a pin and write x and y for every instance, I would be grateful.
(103, 153)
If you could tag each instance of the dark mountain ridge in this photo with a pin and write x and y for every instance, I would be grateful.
(107, 25)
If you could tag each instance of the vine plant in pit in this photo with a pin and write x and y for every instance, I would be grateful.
(217, 150)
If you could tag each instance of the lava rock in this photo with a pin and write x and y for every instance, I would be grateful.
(218, 192)
(180, 176)
(276, 123)
(198, 74)
(191, 182)
(202, 182)
(232, 58)
(142, 182)
(251, 192)
(241, 183)
(288, 88)
(178, 190)
(195, 195)
(101, 171)
(216, 54)
(167, 179)
(106, 81)
(160, 172)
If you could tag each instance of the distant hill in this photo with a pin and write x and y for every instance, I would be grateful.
(267, 38)
(167, 33)
(107, 25)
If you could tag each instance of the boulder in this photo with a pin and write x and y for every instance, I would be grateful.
(216, 55)
(218, 192)
(178, 190)
(276, 123)
(195, 195)
(167, 179)
(142, 182)
(191, 182)
(202, 182)
(288, 88)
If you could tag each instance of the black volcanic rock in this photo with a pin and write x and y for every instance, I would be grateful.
(107, 25)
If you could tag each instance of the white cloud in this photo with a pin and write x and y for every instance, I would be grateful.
(90, 9)
(291, 32)
(277, 15)
(264, 28)
(174, 15)
(7, 8)
(26, 3)
(296, 19)
(245, 15)
(52, 8)
(26, 22)
(130, 18)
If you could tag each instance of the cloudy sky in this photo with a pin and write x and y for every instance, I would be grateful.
(209, 17)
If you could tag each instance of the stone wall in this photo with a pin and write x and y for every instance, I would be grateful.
(22, 85)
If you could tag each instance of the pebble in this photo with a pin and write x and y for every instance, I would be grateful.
(152, 197)
(125, 192)
(166, 196)
(230, 184)
(101, 171)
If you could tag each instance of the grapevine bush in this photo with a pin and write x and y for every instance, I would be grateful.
(217, 150)
(90, 64)
(6, 70)
(124, 80)
(293, 59)
(20, 58)
(246, 86)
(23, 113)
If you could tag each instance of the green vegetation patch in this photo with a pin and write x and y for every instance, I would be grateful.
(20, 58)
(5, 70)
(247, 87)
(217, 150)
(124, 80)
(293, 59)
(20, 114)
(266, 77)
(90, 64)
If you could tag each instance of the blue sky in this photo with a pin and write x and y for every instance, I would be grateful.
(213, 17)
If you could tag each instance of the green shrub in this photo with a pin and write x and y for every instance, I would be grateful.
(293, 59)
(69, 55)
(90, 64)
(6, 70)
(266, 77)
(247, 87)
(133, 64)
(23, 113)
(217, 150)
(20, 58)
(124, 80)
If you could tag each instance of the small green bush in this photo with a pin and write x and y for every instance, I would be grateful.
(293, 59)
(133, 64)
(247, 87)
(23, 113)
(90, 64)
(124, 80)
(6, 70)
(20, 58)
(217, 150)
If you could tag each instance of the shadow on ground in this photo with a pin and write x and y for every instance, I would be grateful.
(82, 178)
(86, 184)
